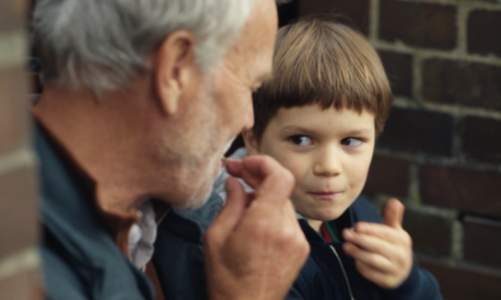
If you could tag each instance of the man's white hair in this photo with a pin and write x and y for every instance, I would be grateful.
(102, 44)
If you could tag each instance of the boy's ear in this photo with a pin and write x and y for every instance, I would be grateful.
(174, 63)
(251, 142)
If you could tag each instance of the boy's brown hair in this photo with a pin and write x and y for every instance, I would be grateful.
(322, 62)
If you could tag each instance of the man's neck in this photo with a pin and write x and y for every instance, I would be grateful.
(93, 132)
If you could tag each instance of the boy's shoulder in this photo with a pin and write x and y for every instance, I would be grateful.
(364, 211)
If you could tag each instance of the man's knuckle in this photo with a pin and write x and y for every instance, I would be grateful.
(260, 231)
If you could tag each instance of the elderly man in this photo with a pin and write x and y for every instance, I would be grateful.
(141, 100)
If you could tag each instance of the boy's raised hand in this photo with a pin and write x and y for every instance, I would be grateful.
(382, 252)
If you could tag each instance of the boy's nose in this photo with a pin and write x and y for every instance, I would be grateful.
(328, 163)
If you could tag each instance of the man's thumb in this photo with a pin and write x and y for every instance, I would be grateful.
(232, 211)
(393, 213)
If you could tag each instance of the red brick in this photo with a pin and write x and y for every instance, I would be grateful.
(482, 241)
(481, 139)
(398, 67)
(388, 175)
(418, 131)
(484, 32)
(461, 283)
(353, 12)
(467, 190)
(418, 24)
(14, 108)
(18, 213)
(25, 285)
(430, 234)
(459, 82)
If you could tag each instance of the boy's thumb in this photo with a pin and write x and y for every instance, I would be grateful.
(393, 213)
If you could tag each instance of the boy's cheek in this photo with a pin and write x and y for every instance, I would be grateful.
(358, 174)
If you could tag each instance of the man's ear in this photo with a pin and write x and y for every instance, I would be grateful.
(251, 142)
(175, 68)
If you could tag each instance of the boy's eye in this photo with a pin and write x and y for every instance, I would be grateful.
(301, 140)
(352, 142)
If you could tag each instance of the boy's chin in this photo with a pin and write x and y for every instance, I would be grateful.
(326, 216)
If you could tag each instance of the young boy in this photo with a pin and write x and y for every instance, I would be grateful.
(319, 117)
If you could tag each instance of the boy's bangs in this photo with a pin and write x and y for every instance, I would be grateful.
(324, 63)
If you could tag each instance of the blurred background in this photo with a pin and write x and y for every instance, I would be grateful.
(440, 152)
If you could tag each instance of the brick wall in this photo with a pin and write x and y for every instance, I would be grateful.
(19, 261)
(441, 150)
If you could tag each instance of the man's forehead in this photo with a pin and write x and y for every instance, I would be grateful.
(261, 28)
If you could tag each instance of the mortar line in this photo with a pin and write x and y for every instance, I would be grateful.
(18, 159)
(374, 9)
(439, 160)
(13, 49)
(24, 260)
(475, 5)
(463, 11)
(450, 109)
(417, 78)
(457, 251)
(400, 47)
(415, 195)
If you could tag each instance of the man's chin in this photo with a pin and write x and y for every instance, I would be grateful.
(196, 202)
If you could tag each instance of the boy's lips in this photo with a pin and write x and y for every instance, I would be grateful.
(326, 195)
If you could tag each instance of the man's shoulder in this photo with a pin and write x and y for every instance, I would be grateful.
(61, 280)
(80, 259)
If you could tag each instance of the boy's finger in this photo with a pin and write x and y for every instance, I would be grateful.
(370, 243)
(372, 274)
(371, 259)
(393, 213)
(381, 231)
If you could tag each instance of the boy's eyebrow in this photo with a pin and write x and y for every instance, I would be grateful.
(358, 131)
(297, 129)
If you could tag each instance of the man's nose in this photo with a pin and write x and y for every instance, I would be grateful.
(249, 119)
(328, 163)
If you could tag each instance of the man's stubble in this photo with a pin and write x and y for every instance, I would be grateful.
(204, 144)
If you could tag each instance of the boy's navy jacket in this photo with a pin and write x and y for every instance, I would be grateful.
(80, 259)
(331, 274)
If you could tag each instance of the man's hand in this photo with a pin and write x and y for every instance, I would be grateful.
(382, 252)
(255, 248)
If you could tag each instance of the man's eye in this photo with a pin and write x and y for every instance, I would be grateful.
(301, 140)
(352, 142)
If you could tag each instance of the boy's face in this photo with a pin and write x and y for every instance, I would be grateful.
(328, 151)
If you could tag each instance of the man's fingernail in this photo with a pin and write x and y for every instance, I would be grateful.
(348, 234)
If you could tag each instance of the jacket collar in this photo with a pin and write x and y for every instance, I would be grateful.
(346, 220)
(69, 215)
